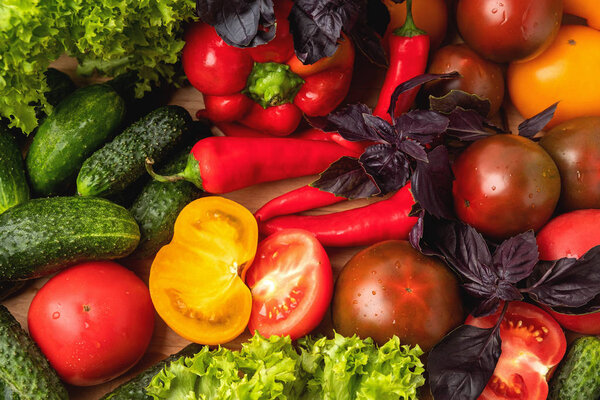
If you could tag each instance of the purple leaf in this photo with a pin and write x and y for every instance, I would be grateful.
(421, 125)
(389, 168)
(413, 83)
(432, 184)
(346, 177)
(461, 365)
(416, 233)
(515, 259)
(380, 127)
(567, 282)
(530, 127)
(457, 98)
(238, 21)
(316, 25)
(467, 125)
(366, 39)
(348, 121)
(413, 149)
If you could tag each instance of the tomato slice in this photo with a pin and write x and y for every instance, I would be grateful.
(533, 343)
(291, 283)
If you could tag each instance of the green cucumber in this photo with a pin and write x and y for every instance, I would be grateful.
(578, 377)
(24, 371)
(13, 183)
(77, 127)
(42, 236)
(122, 161)
(158, 205)
(135, 388)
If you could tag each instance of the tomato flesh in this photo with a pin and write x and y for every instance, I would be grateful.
(291, 283)
(532, 344)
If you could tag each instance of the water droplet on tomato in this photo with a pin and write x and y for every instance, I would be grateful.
(531, 195)
(373, 293)
(493, 187)
(55, 315)
(358, 294)
(494, 10)
(354, 301)
(85, 324)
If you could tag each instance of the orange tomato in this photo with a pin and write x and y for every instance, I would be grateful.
(342, 59)
(430, 16)
(197, 281)
(587, 9)
(566, 72)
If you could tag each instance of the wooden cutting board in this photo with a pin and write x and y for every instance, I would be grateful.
(367, 80)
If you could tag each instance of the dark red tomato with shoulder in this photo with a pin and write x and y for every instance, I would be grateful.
(291, 283)
(92, 321)
(533, 343)
(575, 148)
(509, 30)
(505, 185)
(391, 289)
(572, 235)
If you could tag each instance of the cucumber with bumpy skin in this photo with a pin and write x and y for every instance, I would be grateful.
(578, 377)
(24, 371)
(122, 161)
(45, 235)
(13, 183)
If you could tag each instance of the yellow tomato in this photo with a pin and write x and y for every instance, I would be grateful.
(197, 281)
(587, 9)
(566, 72)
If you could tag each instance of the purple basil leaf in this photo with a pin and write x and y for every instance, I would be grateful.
(413, 83)
(421, 125)
(461, 365)
(416, 233)
(432, 184)
(457, 98)
(567, 282)
(515, 259)
(530, 127)
(467, 125)
(316, 25)
(380, 128)
(366, 39)
(486, 307)
(389, 168)
(348, 121)
(590, 307)
(346, 177)
(414, 150)
(240, 23)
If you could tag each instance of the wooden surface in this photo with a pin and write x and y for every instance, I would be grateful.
(164, 341)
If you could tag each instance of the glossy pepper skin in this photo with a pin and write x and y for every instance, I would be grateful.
(409, 50)
(265, 87)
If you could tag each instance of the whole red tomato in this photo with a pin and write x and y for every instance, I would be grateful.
(572, 235)
(478, 76)
(392, 289)
(509, 30)
(575, 148)
(505, 185)
(532, 345)
(93, 322)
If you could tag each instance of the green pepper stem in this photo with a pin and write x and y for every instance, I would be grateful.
(409, 29)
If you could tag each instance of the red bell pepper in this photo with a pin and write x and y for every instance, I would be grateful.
(265, 87)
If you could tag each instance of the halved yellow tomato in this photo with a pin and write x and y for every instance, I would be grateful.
(197, 281)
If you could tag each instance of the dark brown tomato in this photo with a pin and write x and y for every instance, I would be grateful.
(509, 30)
(505, 185)
(392, 289)
(575, 148)
(479, 76)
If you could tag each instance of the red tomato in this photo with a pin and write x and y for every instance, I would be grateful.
(93, 322)
(532, 345)
(572, 235)
(291, 283)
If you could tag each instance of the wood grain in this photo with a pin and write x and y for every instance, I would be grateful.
(367, 79)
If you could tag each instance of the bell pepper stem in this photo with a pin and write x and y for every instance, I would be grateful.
(409, 29)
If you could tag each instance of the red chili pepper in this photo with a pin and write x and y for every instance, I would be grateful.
(385, 220)
(269, 76)
(409, 49)
(232, 129)
(224, 164)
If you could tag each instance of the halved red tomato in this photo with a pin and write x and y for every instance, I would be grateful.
(532, 345)
(291, 283)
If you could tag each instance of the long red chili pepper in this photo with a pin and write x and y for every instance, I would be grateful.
(409, 48)
(224, 164)
(298, 200)
(384, 220)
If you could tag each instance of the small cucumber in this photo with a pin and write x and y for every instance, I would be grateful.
(77, 127)
(578, 377)
(13, 183)
(42, 236)
(134, 389)
(24, 371)
(158, 205)
(122, 161)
